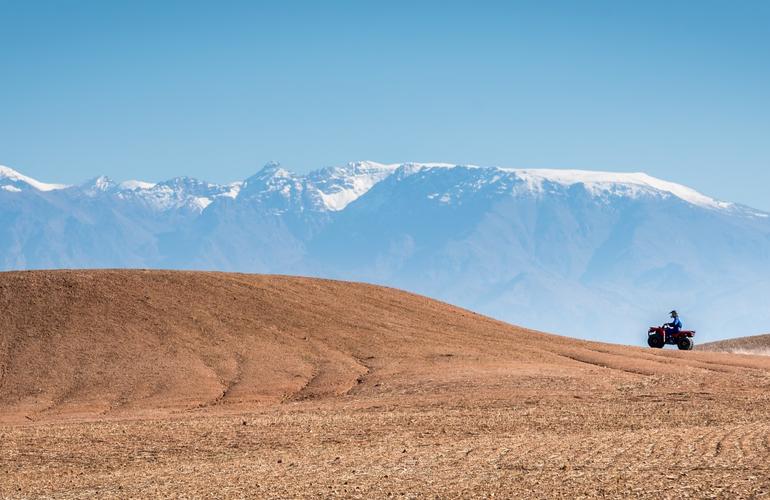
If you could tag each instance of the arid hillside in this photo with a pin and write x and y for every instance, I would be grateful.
(755, 344)
(125, 342)
(165, 384)
(95, 343)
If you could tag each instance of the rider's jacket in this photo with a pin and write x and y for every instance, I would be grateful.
(676, 323)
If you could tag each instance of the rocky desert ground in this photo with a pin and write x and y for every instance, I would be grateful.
(141, 384)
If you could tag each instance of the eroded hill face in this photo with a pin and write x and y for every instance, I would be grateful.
(91, 343)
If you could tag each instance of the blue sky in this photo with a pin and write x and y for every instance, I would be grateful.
(152, 90)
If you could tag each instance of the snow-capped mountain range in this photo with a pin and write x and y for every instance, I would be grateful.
(592, 254)
(174, 194)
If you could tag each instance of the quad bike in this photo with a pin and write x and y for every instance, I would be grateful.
(657, 337)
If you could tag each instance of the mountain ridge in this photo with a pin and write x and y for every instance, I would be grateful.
(534, 179)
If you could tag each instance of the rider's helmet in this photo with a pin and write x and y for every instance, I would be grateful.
(674, 314)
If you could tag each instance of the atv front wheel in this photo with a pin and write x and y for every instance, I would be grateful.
(655, 341)
(685, 344)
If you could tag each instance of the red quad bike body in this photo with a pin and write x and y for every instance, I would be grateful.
(657, 338)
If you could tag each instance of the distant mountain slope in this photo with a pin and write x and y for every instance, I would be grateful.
(755, 344)
(611, 252)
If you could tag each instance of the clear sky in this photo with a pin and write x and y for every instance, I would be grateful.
(155, 89)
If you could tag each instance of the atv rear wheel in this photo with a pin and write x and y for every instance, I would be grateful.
(655, 341)
(685, 344)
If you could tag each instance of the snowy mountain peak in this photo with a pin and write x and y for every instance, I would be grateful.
(273, 169)
(597, 183)
(134, 185)
(627, 184)
(11, 180)
(101, 184)
(339, 186)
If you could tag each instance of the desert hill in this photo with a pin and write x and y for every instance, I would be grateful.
(754, 344)
(147, 384)
(93, 343)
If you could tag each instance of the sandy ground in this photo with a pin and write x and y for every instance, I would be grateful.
(755, 344)
(155, 384)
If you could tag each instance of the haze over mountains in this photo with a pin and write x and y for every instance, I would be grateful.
(590, 254)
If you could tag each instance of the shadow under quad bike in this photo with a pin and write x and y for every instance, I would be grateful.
(657, 337)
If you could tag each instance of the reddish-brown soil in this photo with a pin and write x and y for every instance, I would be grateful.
(167, 384)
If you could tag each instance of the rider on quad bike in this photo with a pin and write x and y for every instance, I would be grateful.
(672, 334)
(676, 324)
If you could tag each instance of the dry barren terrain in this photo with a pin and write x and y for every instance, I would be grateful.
(755, 344)
(150, 383)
